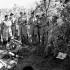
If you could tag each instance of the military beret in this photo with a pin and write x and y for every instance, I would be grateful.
(11, 14)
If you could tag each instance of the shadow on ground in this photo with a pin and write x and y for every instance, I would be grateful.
(36, 60)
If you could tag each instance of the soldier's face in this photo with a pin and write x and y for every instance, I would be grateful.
(21, 15)
(10, 17)
(6, 18)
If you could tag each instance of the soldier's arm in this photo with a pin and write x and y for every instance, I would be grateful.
(2, 26)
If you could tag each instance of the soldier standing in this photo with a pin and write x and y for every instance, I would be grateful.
(36, 30)
(6, 28)
(21, 23)
(13, 27)
(31, 27)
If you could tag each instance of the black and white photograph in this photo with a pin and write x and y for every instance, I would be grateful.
(34, 34)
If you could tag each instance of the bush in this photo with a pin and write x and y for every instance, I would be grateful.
(60, 38)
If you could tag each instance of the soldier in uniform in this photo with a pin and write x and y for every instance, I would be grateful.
(37, 30)
(21, 23)
(24, 26)
(6, 28)
(13, 27)
(43, 24)
(31, 27)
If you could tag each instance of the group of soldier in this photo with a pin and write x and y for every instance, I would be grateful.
(32, 30)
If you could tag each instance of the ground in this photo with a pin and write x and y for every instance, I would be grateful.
(38, 62)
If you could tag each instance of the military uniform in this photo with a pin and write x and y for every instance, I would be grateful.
(43, 29)
(22, 27)
(7, 29)
(31, 28)
(13, 27)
